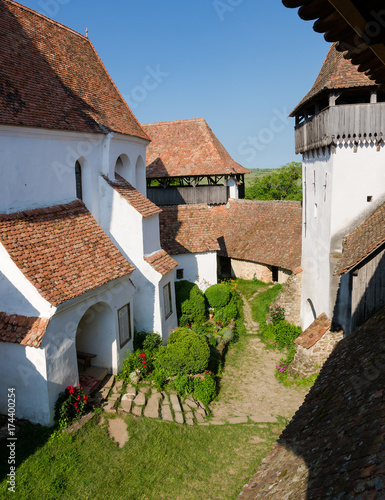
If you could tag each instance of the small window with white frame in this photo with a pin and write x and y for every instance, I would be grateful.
(167, 299)
(124, 320)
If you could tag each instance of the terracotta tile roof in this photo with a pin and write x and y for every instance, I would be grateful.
(142, 204)
(268, 232)
(187, 148)
(22, 329)
(363, 241)
(314, 332)
(61, 250)
(52, 77)
(187, 229)
(161, 262)
(336, 73)
(334, 447)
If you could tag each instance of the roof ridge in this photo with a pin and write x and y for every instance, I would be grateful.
(43, 210)
(116, 88)
(176, 121)
(46, 18)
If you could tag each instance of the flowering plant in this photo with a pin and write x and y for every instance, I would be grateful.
(70, 405)
(277, 314)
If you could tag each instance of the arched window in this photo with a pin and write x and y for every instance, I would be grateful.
(78, 177)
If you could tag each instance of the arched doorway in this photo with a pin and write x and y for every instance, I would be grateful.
(96, 339)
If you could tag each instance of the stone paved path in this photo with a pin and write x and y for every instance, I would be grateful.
(249, 391)
(249, 388)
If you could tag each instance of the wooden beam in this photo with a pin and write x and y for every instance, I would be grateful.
(354, 18)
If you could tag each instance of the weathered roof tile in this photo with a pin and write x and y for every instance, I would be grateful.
(187, 148)
(142, 204)
(40, 57)
(161, 262)
(62, 250)
(268, 232)
(22, 330)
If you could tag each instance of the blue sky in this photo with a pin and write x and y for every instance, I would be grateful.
(242, 65)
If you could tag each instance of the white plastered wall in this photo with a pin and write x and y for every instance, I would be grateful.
(336, 187)
(199, 268)
(134, 238)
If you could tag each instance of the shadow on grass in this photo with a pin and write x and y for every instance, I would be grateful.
(30, 438)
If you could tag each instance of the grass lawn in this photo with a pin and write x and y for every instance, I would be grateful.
(160, 460)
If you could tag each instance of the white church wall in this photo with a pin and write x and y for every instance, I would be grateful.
(151, 235)
(37, 166)
(199, 268)
(23, 368)
(317, 173)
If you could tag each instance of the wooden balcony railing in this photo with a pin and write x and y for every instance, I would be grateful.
(348, 121)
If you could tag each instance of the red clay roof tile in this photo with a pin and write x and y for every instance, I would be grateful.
(22, 329)
(161, 262)
(187, 148)
(363, 241)
(52, 77)
(314, 332)
(61, 250)
(336, 73)
(268, 232)
(142, 204)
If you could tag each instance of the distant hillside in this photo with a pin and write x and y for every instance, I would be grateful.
(256, 172)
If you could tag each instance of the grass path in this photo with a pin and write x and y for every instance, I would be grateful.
(249, 387)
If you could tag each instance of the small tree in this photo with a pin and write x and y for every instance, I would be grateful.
(284, 184)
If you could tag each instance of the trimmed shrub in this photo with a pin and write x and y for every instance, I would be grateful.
(218, 295)
(230, 311)
(152, 341)
(204, 390)
(182, 293)
(187, 353)
(193, 309)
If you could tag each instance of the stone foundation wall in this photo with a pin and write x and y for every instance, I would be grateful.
(290, 298)
(247, 270)
(309, 361)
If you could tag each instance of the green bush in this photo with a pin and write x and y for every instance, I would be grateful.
(187, 353)
(285, 334)
(139, 338)
(182, 293)
(193, 309)
(218, 295)
(231, 311)
(183, 384)
(152, 341)
(159, 378)
(140, 361)
(204, 390)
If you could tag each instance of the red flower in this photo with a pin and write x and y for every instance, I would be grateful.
(142, 355)
(70, 389)
(75, 405)
(77, 411)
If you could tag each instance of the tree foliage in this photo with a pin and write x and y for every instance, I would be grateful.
(284, 184)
